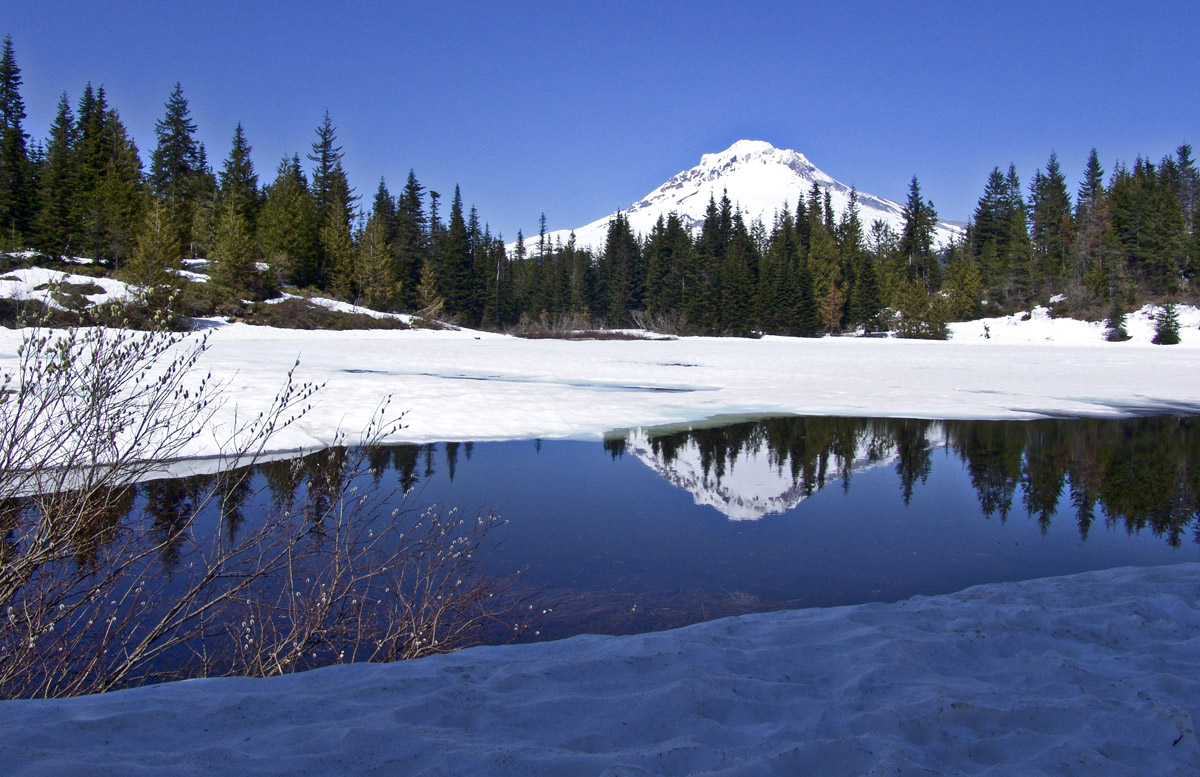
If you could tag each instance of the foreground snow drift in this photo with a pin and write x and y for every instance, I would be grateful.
(1093, 674)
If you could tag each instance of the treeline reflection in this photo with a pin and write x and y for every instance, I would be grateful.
(1141, 474)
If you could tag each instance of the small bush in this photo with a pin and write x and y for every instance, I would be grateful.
(1166, 326)
(1115, 325)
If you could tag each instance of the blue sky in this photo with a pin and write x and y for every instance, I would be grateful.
(577, 109)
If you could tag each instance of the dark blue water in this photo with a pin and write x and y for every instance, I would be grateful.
(611, 546)
(662, 527)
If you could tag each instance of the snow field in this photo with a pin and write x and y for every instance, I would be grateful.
(1092, 674)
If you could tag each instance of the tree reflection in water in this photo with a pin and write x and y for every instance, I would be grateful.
(1143, 473)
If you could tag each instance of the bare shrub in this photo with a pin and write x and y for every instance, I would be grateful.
(95, 597)
(671, 322)
(566, 326)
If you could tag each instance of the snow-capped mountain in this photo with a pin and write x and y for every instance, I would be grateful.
(759, 179)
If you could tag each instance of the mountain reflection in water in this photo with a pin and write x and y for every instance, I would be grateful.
(668, 526)
(1143, 472)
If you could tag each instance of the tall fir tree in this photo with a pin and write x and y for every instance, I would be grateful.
(57, 223)
(18, 174)
(332, 194)
(457, 280)
(1094, 237)
(622, 272)
(110, 196)
(179, 174)
(916, 241)
(1016, 245)
(1053, 227)
(340, 274)
(235, 256)
(239, 182)
(410, 244)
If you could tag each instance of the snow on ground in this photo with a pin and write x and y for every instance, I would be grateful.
(22, 284)
(342, 307)
(1093, 674)
(467, 385)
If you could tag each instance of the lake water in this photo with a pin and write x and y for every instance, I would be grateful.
(657, 528)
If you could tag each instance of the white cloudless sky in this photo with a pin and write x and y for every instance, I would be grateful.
(576, 109)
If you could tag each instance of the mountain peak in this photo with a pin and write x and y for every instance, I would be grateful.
(755, 150)
(742, 148)
(759, 179)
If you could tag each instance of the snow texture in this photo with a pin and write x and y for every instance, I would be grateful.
(1093, 674)
(759, 180)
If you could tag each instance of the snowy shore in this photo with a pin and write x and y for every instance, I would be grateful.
(1092, 674)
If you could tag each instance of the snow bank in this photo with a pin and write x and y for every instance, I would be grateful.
(1093, 674)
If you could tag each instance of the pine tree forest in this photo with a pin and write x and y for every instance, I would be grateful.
(1113, 240)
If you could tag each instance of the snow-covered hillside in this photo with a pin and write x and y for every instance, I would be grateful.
(758, 178)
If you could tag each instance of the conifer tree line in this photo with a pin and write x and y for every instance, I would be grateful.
(1123, 237)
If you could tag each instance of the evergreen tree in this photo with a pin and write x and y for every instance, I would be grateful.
(777, 280)
(179, 173)
(832, 307)
(456, 278)
(922, 315)
(235, 256)
(622, 274)
(916, 241)
(288, 232)
(1148, 222)
(1052, 225)
(239, 182)
(110, 197)
(986, 232)
(702, 278)
(964, 284)
(383, 208)
(157, 257)
(1094, 237)
(18, 175)
(739, 275)
(867, 300)
(337, 249)
(667, 256)
(1166, 326)
(333, 197)
(57, 221)
(1017, 244)
(852, 247)
(1115, 325)
(430, 303)
(410, 244)
(376, 281)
